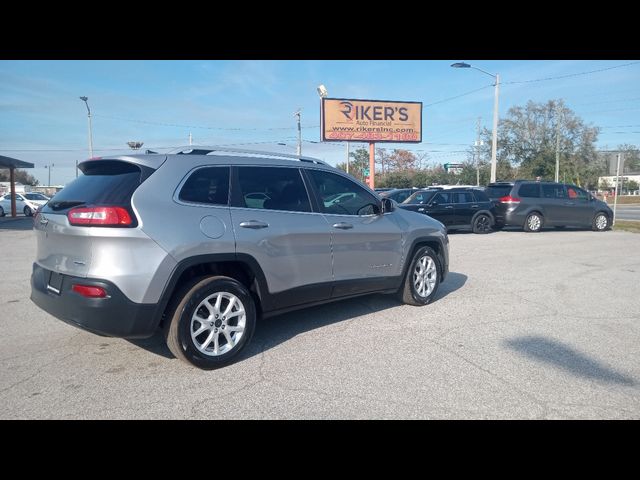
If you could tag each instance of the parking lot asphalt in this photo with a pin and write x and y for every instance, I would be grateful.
(526, 326)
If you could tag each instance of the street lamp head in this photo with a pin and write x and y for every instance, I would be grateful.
(322, 91)
(460, 65)
(84, 99)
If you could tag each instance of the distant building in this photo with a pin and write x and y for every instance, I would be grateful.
(611, 159)
(20, 188)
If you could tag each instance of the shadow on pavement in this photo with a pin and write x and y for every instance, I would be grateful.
(271, 332)
(17, 223)
(566, 358)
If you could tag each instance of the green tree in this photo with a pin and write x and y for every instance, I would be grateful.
(631, 157)
(527, 144)
(359, 163)
(632, 185)
(20, 176)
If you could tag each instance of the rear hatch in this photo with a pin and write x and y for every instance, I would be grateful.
(99, 198)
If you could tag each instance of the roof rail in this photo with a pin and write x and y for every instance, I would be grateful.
(204, 150)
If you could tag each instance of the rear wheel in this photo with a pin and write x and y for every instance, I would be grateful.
(213, 321)
(600, 222)
(533, 223)
(482, 224)
(2, 212)
(423, 278)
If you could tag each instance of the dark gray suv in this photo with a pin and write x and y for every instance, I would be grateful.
(534, 205)
(201, 242)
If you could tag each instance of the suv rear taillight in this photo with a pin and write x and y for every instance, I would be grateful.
(100, 216)
(508, 199)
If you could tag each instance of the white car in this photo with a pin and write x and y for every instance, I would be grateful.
(27, 203)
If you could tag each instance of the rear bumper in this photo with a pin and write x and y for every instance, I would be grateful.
(113, 316)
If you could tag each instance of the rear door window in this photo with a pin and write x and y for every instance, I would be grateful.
(273, 188)
(529, 190)
(463, 197)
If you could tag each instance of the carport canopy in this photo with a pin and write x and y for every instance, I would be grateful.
(12, 164)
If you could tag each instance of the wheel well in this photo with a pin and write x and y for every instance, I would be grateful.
(239, 271)
(483, 212)
(433, 244)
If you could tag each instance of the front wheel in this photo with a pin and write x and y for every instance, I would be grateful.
(213, 322)
(422, 279)
(600, 222)
(482, 224)
(2, 212)
(27, 211)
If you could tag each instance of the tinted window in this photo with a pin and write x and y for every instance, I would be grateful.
(339, 195)
(499, 191)
(273, 188)
(207, 185)
(553, 191)
(463, 197)
(576, 193)
(108, 182)
(36, 196)
(419, 197)
(480, 196)
(529, 190)
(443, 197)
(400, 196)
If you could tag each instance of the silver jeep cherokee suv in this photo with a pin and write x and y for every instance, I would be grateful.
(201, 242)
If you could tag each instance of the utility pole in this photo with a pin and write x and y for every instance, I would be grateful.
(299, 151)
(86, 103)
(494, 138)
(347, 157)
(478, 143)
(615, 199)
(51, 165)
(557, 140)
(190, 139)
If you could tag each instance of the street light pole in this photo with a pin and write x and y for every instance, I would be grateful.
(299, 150)
(494, 139)
(85, 100)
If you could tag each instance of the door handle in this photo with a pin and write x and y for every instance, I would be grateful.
(475, 206)
(569, 203)
(342, 225)
(254, 224)
(450, 206)
(421, 209)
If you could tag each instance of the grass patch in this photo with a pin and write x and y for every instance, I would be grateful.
(627, 226)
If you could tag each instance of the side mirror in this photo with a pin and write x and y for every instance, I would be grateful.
(387, 205)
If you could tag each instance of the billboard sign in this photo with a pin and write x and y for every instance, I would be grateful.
(371, 121)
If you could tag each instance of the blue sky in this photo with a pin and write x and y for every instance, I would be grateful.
(250, 104)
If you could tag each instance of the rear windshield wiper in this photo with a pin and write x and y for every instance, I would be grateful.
(64, 204)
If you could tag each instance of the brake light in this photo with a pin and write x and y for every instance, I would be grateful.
(509, 199)
(100, 216)
(89, 291)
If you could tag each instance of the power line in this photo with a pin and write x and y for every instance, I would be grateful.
(457, 96)
(572, 74)
(164, 124)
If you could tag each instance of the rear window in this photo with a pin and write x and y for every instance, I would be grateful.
(480, 196)
(103, 183)
(529, 190)
(499, 191)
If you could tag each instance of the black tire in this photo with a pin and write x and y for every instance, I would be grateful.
(482, 224)
(27, 211)
(2, 214)
(600, 222)
(179, 325)
(408, 292)
(533, 225)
